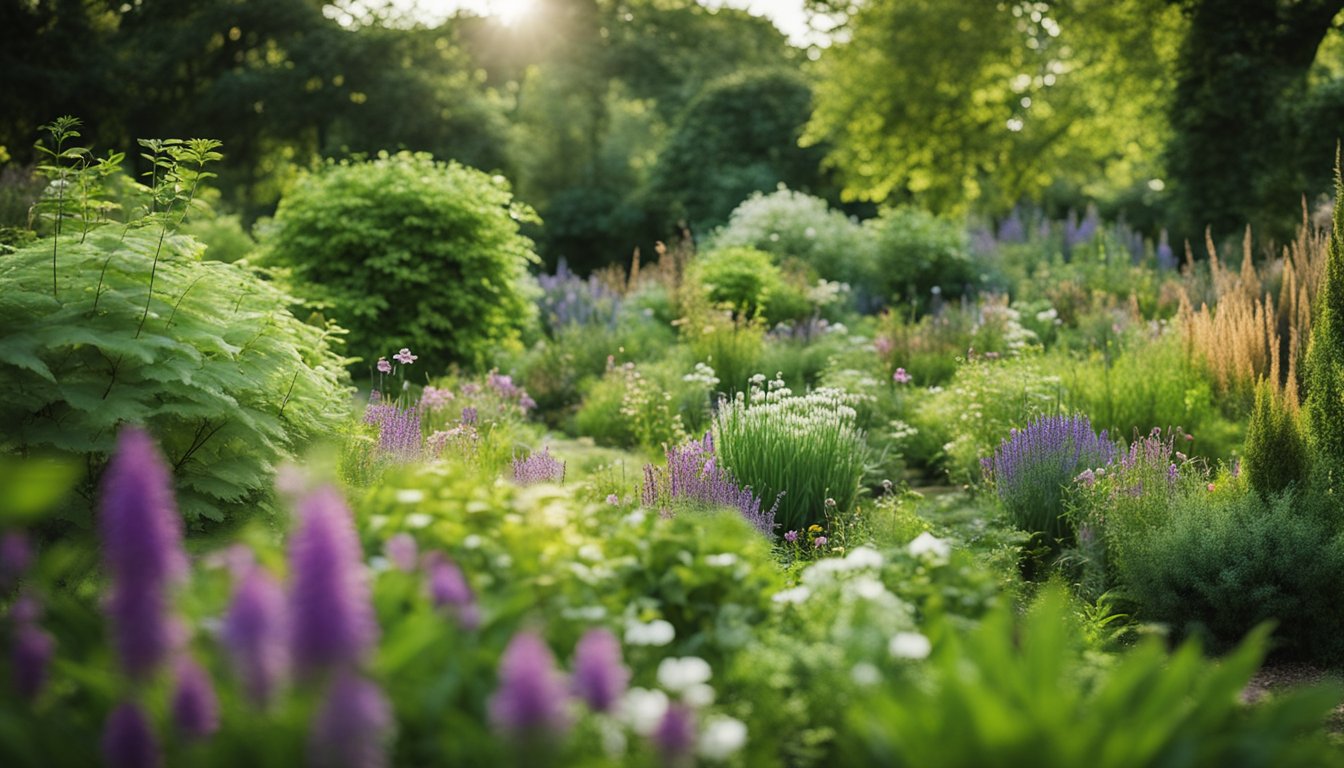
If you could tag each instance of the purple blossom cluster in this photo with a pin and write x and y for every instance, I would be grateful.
(507, 390)
(399, 435)
(533, 698)
(567, 299)
(693, 474)
(1031, 469)
(1152, 463)
(538, 468)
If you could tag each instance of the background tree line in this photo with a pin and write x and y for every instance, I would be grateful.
(622, 121)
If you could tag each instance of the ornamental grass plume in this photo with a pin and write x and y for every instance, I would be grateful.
(141, 534)
(332, 621)
(1031, 469)
(353, 727)
(255, 635)
(128, 741)
(600, 679)
(532, 698)
(195, 710)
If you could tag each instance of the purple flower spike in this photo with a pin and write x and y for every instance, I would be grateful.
(353, 726)
(600, 679)
(332, 621)
(16, 557)
(532, 694)
(255, 635)
(141, 533)
(195, 708)
(128, 741)
(448, 588)
(402, 551)
(32, 654)
(675, 734)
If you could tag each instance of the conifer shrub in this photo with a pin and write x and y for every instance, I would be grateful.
(406, 251)
(1275, 449)
(104, 324)
(1324, 364)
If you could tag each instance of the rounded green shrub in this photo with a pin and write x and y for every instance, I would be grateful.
(405, 251)
(141, 330)
(748, 280)
(917, 252)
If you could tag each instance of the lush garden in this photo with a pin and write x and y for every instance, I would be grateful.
(386, 478)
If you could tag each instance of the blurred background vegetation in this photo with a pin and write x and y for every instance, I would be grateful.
(624, 122)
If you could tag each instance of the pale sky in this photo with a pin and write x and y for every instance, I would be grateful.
(787, 15)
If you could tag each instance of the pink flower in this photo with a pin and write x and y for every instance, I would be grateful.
(819, 542)
(384, 366)
(901, 377)
(791, 536)
(1211, 487)
(404, 356)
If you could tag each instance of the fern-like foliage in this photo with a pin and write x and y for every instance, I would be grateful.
(137, 328)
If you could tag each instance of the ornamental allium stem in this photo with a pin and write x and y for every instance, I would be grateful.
(332, 622)
(128, 741)
(531, 699)
(600, 679)
(353, 727)
(255, 635)
(141, 535)
(194, 707)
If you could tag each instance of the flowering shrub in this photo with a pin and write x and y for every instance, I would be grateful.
(805, 447)
(1031, 469)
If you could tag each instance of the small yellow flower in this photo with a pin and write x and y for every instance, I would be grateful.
(814, 528)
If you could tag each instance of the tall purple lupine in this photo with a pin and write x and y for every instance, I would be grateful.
(256, 636)
(532, 698)
(693, 474)
(194, 707)
(352, 728)
(600, 679)
(31, 656)
(1031, 469)
(332, 622)
(141, 535)
(16, 556)
(128, 741)
(538, 468)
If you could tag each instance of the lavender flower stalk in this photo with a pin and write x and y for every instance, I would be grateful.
(538, 468)
(128, 741)
(448, 588)
(531, 700)
(1031, 469)
(353, 726)
(694, 474)
(332, 621)
(255, 634)
(600, 679)
(675, 735)
(142, 548)
(194, 707)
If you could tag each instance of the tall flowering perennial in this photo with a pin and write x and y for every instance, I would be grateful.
(600, 679)
(352, 728)
(694, 474)
(1032, 468)
(141, 534)
(807, 447)
(255, 635)
(538, 468)
(532, 698)
(332, 621)
(399, 434)
(567, 299)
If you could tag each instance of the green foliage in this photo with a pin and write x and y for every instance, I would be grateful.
(1324, 363)
(748, 281)
(650, 406)
(1012, 693)
(794, 224)
(952, 102)
(408, 252)
(1220, 563)
(916, 253)
(738, 136)
(110, 325)
(224, 237)
(804, 446)
(1275, 450)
